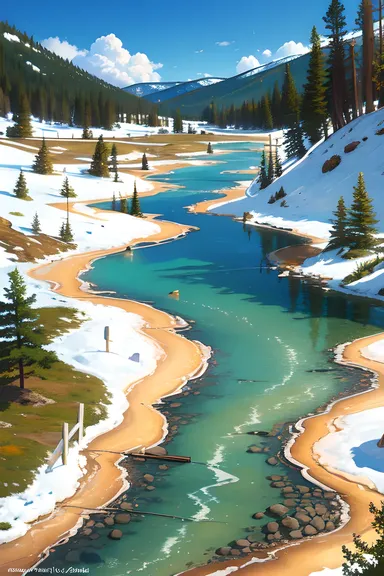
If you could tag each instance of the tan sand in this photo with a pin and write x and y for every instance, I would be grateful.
(142, 425)
(225, 196)
(325, 550)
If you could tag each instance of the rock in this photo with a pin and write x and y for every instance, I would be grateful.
(318, 523)
(303, 489)
(175, 405)
(246, 550)
(225, 551)
(90, 523)
(242, 543)
(305, 502)
(274, 478)
(126, 506)
(150, 488)
(317, 494)
(149, 478)
(235, 552)
(255, 449)
(272, 527)
(115, 534)
(258, 515)
(310, 530)
(99, 525)
(94, 536)
(290, 502)
(109, 521)
(135, 357)
(87, 532)
(253, 538)
(302, 518)
(329, 495)
(295, 534)
(310, 511)
(277, 484)
(122, 518)
(157, 451)
(291, 523)
(278, 510)
(287, 490)
(329, 526)
(272, 461)
(274, 537)
(163, 467)
(73, 557)
(321, 509)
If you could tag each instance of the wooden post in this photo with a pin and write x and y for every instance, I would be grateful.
(64, 455)
(106, 338)
(80, 421)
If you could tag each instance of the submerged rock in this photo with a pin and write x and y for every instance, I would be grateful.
(115, 534)
(278, 510)
(224, 551)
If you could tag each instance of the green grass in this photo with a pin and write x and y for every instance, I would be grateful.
(17, 213)
(363, 269)
(5, 526)
(35, 430)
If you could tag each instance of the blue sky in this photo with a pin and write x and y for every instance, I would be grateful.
(182, 36)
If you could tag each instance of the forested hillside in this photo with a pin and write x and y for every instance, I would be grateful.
(54, 89)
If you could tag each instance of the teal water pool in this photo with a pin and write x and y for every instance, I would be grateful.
(271, 339)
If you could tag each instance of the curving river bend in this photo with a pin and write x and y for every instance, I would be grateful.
(271, 364)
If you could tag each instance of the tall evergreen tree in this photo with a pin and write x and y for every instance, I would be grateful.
(144, 162)
(177, 122)
(66, 190)
(278, 165)
(271, 168)
(21, 330)
(20, 190)
(266, 114)
(66, 234)
(335, 22)
(43, 162)
(99, 165)
(290, 100)
(294, 141)
(314, 110)
(276, 107)
(135, 207)
(263, 178)
(339, 232)
(114, 162)
(36, 228)
(362, 219)
(22, 118)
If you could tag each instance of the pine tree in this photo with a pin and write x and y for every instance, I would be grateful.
(21, 331)
(87, 133)
(314, 110)
(276, 107)
(177, 122)
(114, 162)
(266, 114)
(135, 207)
(66, 234)
(339, 231)
(361, 219)
(99, 165)
(209, 148)
(144, 162)
(20, 190)
(294, 141)
(271, 168)
(114, 201)
(66, 190)
(22, 127)
(335, 22)
(290, 100)
(36, 228)
(278, 165)
(263, 178)
(43, 163)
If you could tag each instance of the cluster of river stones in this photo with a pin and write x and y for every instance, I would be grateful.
(303, 512)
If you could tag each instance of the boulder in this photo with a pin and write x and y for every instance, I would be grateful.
(126, 506)
(302, 518)
(149, 478)
(278, 484)
(109, 521)
(287, 490)
(329, 526)
(272, 527)
(310, 511)
(224, 551)
(272, 461)
(329, 495)
(90, 523)
(253, 538)
(305, 502)
(295, 534)
(94, 536)
(278, 510)
(255, 449)
(242, 543)
(274, 537)
(310, 530)
(258, 515)
(87, 532)
(303, 489)
(122, 518)
(351, 146)
(150, 488)
(99, 525)
(321, 509)
(163, 467)
(291, 523)
(157, 451)
(290, 502)
(275, 478)
(235, 552)
(115, 534)
(318, 523)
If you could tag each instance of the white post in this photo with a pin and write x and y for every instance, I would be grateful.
(64, 455)
(80, 420)
(106, 338)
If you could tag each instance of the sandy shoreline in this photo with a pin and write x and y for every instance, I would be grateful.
(181, 359)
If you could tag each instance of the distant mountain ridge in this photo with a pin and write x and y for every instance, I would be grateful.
(158, 92)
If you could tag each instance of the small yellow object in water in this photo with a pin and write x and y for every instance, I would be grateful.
(174, 294)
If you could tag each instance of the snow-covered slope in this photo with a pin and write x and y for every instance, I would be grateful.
(181, 88)
(312, 196)
(145, 88)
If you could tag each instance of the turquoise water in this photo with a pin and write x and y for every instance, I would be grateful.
(271, 364)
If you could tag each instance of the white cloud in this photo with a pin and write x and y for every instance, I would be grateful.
(206, 75)
(267, 53)
(247, 63)
(291, 48)
(62, 48)
(223, 43)
(109, 60)
(198, 51)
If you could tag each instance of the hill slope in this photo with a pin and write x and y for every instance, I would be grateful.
(147, 88)
(312, 196)
(182, 88)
